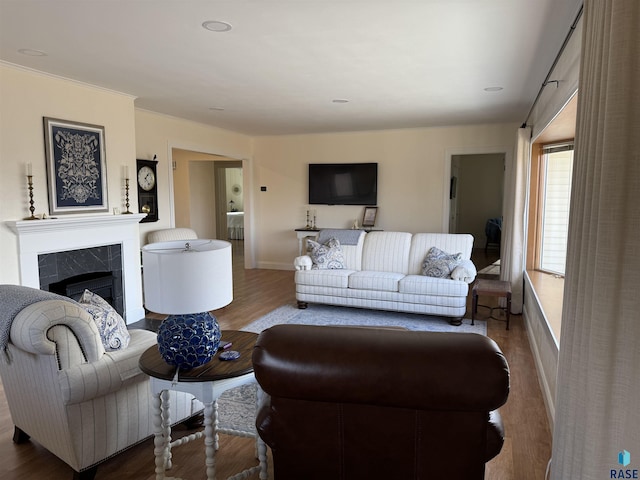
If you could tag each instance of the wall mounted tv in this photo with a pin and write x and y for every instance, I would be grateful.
(343, 183)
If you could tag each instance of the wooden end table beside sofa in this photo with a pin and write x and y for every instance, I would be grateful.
(491, 288)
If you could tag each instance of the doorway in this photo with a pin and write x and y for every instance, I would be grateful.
(475, 203)
(203, 186)
(230, 200)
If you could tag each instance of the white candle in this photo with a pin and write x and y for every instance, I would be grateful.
(126, 171)
(29, 169)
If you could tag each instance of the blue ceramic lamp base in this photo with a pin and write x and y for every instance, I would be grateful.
(189, 340)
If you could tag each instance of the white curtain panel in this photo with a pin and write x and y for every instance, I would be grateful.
(598, 413)
(513, 225)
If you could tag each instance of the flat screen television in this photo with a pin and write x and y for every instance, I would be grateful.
(343, 183)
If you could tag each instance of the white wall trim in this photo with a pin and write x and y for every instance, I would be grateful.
(536, 348)
(542, 380)
(66, 79)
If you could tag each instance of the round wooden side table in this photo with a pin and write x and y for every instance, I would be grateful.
(206, 383)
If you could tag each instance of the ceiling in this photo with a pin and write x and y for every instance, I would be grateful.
(281, 68)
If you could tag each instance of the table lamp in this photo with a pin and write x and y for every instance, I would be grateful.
(186, 280)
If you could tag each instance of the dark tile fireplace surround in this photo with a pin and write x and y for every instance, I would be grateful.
(98, 269)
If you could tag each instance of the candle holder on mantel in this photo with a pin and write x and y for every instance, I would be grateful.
(31, 207)
(126, 195)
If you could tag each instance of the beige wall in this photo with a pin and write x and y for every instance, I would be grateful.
(159, 135)
(202, 198)
(412, 177)
(26, 97)
(413, 164)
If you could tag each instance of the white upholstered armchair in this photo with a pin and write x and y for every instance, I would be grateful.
(171, 234)
(67, 393)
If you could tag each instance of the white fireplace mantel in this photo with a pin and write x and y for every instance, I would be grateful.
(73, 232)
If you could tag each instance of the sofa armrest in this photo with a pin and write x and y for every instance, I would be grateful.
(303, 262)
(465, 272)
(476, 376)
(30, 328)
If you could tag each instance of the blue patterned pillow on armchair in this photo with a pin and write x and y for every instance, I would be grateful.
(112, 327)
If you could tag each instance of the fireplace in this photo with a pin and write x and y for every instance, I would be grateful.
(57, 249)
(98, 269)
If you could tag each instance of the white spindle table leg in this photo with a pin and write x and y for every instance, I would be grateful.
(160, 440)
(166, 426)
(210, 439)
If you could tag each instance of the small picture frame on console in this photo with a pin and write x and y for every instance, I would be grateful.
(369, 217)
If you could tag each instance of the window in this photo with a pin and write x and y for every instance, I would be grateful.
(555, 184)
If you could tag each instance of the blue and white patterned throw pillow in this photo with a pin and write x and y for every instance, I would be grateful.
(112, 327)
(440, 264)
(326, 256)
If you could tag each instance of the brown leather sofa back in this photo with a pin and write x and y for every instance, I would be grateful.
(354, 403)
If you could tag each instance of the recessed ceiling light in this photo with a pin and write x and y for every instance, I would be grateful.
(217, 109)
(32, 53)
(493, 89)
(217, 26)
(340, 100)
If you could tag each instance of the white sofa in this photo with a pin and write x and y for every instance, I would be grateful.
(65, 392)
(383, 271)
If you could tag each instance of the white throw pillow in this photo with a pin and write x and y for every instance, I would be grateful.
(326, 256)
(440, 264)
(112, 327)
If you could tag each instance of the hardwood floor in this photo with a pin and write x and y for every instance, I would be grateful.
(256, 292)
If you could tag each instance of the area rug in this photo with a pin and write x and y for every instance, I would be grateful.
(332, 315)
(237, 407)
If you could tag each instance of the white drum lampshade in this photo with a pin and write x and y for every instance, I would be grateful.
(187, 279)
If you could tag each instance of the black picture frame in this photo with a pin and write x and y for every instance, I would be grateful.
(369, 217)
(76, 167)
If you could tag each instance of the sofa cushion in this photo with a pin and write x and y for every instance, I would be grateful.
(423, 285)
(368, 280)
(327, 256)
(386, 252)
(323, 278)
(440, 264)
(112, 327)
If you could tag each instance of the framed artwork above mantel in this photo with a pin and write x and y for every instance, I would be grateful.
(76, 167)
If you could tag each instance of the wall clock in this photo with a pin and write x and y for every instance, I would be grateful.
(147, 189)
